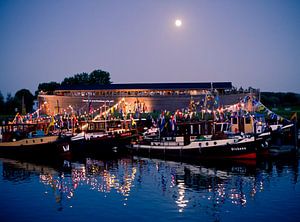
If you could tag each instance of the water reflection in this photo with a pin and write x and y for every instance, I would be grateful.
(210, 187)
(206, 185)
(98, 175)
(21, 171)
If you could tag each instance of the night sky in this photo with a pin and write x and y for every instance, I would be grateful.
(248, 42)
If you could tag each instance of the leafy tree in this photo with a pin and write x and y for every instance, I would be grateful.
(95, 77)
(81, 78)
(1, 103)
(99, 77)
(47, 88)
(271, 99)
(290, 98)
(24, 97)
(10, 105)
(68, 81)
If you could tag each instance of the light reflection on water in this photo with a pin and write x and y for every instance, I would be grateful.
(96, 175)
(134, 187)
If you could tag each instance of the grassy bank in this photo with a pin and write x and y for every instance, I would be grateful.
(286, 112)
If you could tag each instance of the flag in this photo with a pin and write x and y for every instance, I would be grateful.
(254, 102)
(294, 117)
(261, 108)
(133, 123)
(217, 99)
(273, 116)
(90, 107)
(173, 122)
(153, 122)
(50, 124)
(162, 123)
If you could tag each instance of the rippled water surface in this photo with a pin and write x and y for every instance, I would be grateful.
(143, 189)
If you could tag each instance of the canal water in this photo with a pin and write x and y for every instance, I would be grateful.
(130, 188)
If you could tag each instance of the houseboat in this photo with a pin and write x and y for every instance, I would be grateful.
(200, 140)
(29, 139)
(103, 137)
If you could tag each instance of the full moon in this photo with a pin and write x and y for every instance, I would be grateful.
(178, 22)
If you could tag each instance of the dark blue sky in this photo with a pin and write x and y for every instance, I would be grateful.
(249, 42)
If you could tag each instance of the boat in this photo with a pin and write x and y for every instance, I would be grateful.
(239, 148)
(191, 141)
(278, 140)
(29, 140)
(283, 141)
(104, 137)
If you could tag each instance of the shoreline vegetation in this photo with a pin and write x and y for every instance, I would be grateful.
(284, 104)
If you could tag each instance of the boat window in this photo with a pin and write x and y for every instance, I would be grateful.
(218, 127)
(234, 120)
(215, 143)
(226, 127)
(206, 143)
(33, 141)
(248, 120)
(196, 129)
(41, 140)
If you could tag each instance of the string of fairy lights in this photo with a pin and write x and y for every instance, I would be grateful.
(246, 106)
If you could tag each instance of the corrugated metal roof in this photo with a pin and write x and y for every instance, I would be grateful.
(157, 86)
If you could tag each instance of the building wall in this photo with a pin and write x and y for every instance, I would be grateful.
(54, 104)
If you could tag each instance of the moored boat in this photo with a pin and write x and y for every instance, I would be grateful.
(206, 139)
(25, 140)
(101, 138)
(233, 148)
(282, 141)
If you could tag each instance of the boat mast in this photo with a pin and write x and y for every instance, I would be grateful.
(23, 106)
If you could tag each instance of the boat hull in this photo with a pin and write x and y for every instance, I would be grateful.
(106, 145)
(48, 146)
(239, 150)
(280, 151)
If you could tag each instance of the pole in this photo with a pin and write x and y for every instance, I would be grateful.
(105, 115)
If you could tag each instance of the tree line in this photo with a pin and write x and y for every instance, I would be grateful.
(23, 100)
(271, 99)
(96, 77)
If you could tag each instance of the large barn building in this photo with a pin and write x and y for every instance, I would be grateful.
(147, 97)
